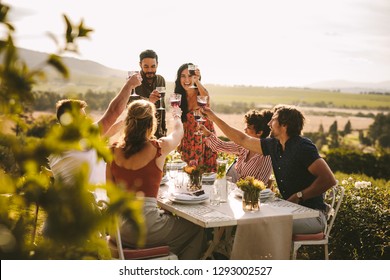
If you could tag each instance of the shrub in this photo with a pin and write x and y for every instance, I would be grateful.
(362, 227)
(349, 161)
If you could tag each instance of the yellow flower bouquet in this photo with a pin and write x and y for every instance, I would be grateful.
(251, 188)
(195, 173)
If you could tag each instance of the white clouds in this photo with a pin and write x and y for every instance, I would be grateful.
(259, 42)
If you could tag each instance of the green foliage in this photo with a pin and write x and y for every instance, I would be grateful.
(73, 223)
(348, 128)
(40, 126)
(380, 130)
(362, 227)
(318, 138)
(349, 161)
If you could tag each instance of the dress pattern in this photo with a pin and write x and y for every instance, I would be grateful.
(192, 146)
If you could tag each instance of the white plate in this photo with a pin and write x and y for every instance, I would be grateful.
(187, 197)
(187, 201)
(263, 194)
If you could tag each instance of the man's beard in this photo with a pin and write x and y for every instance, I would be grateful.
(150, 75)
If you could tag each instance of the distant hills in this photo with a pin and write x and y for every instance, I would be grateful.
(77, 66)
(352, 87)
(86, 74)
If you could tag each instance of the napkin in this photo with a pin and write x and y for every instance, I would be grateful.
(189, 196)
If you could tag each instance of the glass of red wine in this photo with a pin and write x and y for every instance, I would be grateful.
(200, 120)
(175, 99)
(129, 75)
(161, 91)
(191, 71)
(202, 100)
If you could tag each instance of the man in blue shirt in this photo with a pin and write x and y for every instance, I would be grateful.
(302, 175)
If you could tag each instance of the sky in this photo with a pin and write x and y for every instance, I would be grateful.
(247, 42)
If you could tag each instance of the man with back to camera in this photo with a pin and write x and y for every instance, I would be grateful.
(148, 61)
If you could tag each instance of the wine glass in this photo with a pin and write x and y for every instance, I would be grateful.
(161, 90)
(129, 75)
(191, 71)
(175, 99)
(199, 120)
(202, 101)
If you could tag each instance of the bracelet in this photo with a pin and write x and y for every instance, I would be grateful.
(177, 116)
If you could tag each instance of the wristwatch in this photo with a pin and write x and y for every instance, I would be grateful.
(300, 196)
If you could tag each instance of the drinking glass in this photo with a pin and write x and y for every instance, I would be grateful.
(215, 195)
(175, 99)
(129, 75)
(191, 71)
(161, 91)
(202, 100)
(199, 120)
(172, 171)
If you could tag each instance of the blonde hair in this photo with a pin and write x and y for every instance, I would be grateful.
(141, 124)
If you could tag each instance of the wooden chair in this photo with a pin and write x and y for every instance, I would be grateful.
(119, 252)
(336, 194)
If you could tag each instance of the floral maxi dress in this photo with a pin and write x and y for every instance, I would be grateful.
(193, 147)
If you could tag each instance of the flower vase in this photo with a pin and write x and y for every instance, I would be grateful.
(250, 201)
(195, 182)
(220, 181)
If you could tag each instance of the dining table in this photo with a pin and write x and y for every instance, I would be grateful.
(263, 234)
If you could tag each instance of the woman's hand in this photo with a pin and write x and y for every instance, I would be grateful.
(176, 112)
(135, 80)
(205, 131)
(206, 111)
(196, 77)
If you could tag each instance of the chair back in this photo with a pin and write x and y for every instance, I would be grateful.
(117, 250)
(103, 203)
(336, 195)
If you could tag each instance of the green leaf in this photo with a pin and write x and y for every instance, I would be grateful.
(56, 62)
(83, 31)
(69, 30)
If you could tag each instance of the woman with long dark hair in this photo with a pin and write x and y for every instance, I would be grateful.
(192, 145)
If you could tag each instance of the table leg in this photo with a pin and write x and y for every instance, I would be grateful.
(218, 232)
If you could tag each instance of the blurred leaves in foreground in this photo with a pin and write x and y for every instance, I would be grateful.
(74, 226)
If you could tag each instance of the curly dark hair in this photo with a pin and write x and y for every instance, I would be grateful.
(259, 120)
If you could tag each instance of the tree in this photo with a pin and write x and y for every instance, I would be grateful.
(334, 136)
(333, 128)
(348, 128)
(380, 130)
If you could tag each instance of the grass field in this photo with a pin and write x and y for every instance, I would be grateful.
(229, 94)
(312, 122)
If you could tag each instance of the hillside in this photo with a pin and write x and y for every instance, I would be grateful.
(84, 75)
(88, 75)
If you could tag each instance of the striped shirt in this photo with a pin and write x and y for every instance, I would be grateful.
(259, 166)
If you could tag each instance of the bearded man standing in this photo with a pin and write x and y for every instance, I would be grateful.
(148, 61)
